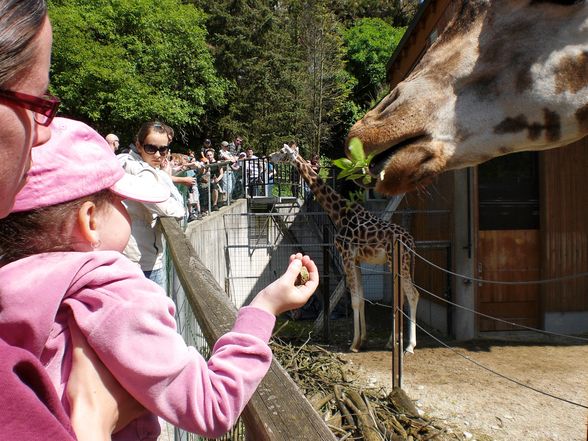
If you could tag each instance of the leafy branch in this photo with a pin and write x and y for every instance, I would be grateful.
(357, 166)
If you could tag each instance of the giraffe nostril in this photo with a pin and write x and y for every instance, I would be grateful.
(390, 99)
(427, 156)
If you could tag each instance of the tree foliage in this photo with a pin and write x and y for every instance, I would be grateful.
(254, 52)
(370, 43)
(270, 71)
(328, 85)
(393, 12)
(117, 63)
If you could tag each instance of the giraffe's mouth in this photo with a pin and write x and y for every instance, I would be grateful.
(383, 167)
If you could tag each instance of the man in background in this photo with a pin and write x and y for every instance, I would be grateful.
(112, 141)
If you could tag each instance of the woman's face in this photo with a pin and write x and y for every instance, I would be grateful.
(154, 139)
(18, 131)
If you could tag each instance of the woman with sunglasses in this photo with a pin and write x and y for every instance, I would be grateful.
(31, 408)
(145, 246)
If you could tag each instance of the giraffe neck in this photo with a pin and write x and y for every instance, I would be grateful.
(332, 202)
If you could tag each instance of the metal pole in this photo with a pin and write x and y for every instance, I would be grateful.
(449, 293)
(397, 322)
(325, 285)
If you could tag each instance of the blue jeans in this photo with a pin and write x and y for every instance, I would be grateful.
(158, 276)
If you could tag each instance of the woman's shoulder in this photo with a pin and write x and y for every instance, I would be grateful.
(133, 163)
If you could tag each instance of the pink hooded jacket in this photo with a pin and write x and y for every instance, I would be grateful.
(129, 322)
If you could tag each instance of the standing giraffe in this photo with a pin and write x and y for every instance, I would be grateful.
(360, 237)
(504, 76)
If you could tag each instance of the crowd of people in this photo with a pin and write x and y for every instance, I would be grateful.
(211, 179)
(88, 343)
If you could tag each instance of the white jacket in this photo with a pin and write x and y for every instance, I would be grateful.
(145, 245)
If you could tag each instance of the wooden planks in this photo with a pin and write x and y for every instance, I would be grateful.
(508, 255)
(564, 251)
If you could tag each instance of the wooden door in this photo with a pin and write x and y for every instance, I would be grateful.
(509, 255)
(508, 245)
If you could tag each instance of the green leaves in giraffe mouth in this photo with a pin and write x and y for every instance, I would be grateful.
(356, 168)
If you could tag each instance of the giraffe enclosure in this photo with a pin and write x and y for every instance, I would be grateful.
(474, 400)
(471, 399)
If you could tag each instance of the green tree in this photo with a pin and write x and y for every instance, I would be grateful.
(328, 84)
(253, 50)
(370, 42)
(394, 12)
(117, 63)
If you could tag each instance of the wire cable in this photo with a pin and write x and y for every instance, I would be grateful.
(457, 305)
(573, 337)
(475, 279)
(477, 363)
(497, 282)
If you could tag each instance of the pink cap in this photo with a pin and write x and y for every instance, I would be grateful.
(78, 162)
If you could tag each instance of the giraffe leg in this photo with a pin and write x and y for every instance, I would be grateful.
(412, 295)
(353, 274)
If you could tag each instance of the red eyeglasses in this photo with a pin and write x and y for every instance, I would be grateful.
(45, 107)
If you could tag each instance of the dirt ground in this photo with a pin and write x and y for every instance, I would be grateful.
(471, 399)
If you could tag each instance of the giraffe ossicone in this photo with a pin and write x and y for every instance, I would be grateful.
(361, 238)
(504, 76)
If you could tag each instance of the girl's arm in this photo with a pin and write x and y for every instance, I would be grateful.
(130, 324)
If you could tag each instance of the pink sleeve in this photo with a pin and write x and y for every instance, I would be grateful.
(130, 324)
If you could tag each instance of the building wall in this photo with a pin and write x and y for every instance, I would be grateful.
(564, 226)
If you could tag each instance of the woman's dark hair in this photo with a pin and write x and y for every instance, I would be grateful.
(20, 22)
(154, 126)
(44, 229)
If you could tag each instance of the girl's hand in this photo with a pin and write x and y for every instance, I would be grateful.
(283, 294)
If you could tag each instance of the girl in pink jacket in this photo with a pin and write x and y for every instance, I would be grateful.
(65, 234)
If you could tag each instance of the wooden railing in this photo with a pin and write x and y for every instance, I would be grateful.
(277, 411)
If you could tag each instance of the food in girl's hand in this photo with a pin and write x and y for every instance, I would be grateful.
(303, 276)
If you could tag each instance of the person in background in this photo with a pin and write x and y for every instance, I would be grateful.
(294, 173)
(236, 146)
(112, 141)
(253, 172)
(229, 177)
(145, 246)
(315, 165)
(174, 165)
(189, 169)
(216, 176)
(238, 173)
(31, 408)
(207, 144)
(69, 241)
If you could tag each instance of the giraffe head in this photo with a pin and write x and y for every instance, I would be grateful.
(504, 76)
(284, 156)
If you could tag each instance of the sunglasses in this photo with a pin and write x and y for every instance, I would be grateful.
(150, 149)
(45, 107)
